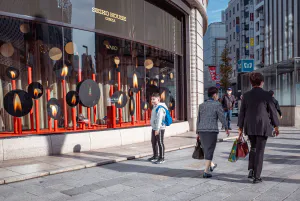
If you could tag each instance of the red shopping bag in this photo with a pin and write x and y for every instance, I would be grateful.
(242, 149)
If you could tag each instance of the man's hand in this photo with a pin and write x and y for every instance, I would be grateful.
(276, 131)
(280, 117)
(240, 131)
(156, 132)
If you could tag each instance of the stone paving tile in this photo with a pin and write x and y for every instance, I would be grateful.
(184, 196)
(112, 190)
(37, 190)
(4, 173)
(86, 197)
(56, 196)
(273, 195)
(171, 190)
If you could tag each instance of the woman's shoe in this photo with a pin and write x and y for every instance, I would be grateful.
(257, 180)
(251, 174)
(206, 175)
(214, 167)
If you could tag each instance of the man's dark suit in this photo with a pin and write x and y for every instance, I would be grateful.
(257, 118)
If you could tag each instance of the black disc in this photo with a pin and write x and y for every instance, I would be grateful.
(130, 92)
(171, 103)
(164, 95)
(119, 98)
(89, 93)
(12, 73)
(35, 90)
(145, 106)
(54, 109)
(134, 81)
(131, 106)
(17, 103)
(72, 98)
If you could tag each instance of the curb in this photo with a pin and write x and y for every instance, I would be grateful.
(90, 165)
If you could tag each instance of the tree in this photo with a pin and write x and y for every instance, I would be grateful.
(225, 69)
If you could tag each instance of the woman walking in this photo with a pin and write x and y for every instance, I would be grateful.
(257, 118)
(207, 127)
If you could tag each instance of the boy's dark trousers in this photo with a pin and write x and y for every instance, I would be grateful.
(158, 139)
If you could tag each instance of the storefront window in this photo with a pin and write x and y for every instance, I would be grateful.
(80, 75)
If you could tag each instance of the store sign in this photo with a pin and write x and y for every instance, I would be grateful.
(213, 72)
(109, 16)
(245, 66)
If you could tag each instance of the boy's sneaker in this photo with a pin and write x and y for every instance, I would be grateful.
(153, 159)
(160, 161)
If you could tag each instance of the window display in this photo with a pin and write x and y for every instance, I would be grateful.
(60, 79)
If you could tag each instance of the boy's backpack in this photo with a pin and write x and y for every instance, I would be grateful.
(168, 119)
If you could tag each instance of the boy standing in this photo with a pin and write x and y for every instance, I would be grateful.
(158, 115)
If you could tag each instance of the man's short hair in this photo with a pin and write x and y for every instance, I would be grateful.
(256, 79)
(156, 95)
(271, 92)
(211, 91)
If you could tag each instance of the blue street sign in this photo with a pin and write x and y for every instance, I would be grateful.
(218, 85)
(246, 65)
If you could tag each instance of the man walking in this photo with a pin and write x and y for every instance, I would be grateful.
(257, 119)
(276, 104)
(228, 103)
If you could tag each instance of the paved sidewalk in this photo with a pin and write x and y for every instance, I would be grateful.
(177, 179)
(23, 169)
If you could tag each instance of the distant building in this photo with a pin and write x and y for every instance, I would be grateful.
(214, 44)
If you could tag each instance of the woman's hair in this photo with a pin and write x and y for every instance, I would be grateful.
(256, 79)
(211, 91)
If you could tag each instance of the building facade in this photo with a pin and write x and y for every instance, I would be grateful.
(91, 66)
(214, 44)
(281, 57)
(259, 34)
(233, 34)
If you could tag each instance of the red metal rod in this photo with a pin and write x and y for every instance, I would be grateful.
(74, 118)
(65, 104)
(89, 116)
(111, 92)
(37, 116)
(13, 86)
(49, 119)
(119, 89)
(113, 116)
(132, 120)
(31, 112)
(79, 80)
(20, 125)
(55, 125)
(95, 107)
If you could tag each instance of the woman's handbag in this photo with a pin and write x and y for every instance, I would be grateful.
(198, 152)
(232, 156)
(242, 148)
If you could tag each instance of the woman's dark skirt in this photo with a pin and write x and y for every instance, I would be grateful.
(208, 142)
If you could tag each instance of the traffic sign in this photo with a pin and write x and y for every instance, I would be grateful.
(218, 85)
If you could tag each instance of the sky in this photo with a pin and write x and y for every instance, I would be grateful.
(214, 10)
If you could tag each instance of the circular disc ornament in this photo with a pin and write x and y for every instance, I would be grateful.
(55, 54)
(130, 92)
(145, 106)
(117, 60)
(148, 64)
(35, 90)
(70, 48)
(164, 95)
(25, 28)
(12, 73)
(17, 103)
(7, 50)
(89, 93)
(72, 98)
(53, 109)
(119, 98)
(134, 81)
(172, 103)
(131, 106)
